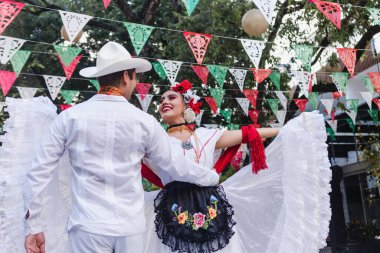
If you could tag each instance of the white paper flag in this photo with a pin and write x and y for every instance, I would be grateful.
(282, 98)
(27, 92)
(239, 75)
(375, 13)
(244, 103)
(280, 115)
(267, 8)
(54, 84)
(254, 49)
(171, 69)
(73, 23)
(8, 47)
(368, 96)
(198, 118)
(275, 125)
(328, 104)
(352, 115)
(211, 126)
(333, 124)
(145, 103)
(301, 79)
(2, 106)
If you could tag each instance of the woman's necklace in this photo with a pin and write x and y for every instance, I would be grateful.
(186, 144)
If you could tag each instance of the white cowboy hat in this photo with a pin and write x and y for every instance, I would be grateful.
(113, 57)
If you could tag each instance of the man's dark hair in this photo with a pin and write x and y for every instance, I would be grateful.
(113, 79)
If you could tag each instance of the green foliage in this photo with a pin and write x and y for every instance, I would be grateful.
(358, 231)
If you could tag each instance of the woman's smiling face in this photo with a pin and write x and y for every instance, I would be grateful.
(171, 106)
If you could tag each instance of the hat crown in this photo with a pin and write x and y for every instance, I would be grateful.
(110, 53)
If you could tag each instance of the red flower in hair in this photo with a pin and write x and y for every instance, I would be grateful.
(182, 87)
(196, 107)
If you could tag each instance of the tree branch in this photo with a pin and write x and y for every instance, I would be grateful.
(324, 43)
(149, 10)
(363, 42)
(125, 8)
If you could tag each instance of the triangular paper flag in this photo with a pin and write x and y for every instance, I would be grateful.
(375, 79)
(348, 57)
(219, 73)
(328, 104)
(254, 115)
(26, 92)
(143, 89)
(106, 3)
(374, 114)
(171, 69)
(252, 96)
(18, 60)
(261, 74)
(332, 115)
(244, 103)
(7, 79)
(159, 70)
(8, 47)
(198, 43)
(267, 8)
(190, 5)
(212, 103)
(198, 118)
(273, 104)
(239, 75)
(377, 102)
(301, 79)
(2, 104)
(275, 77)
(211, 126)
(368, 98)
(375, 13)
(70, 69)
(352, 115)
(351, 124)
(305, 54)
(138, 34)
(332, 11)
(301, 103)
(337, 94)
(145, 103)
(331, 133)
(282, 98)
(280, 115)
(54, 84)
(233, 127)
(333, 124)
(202, 72)
(340, 81)
(218, 95)
(254, 49)
(73, 23)
(65, 107)
(313, 100)
(353, 104)
(95, 83)
(368, 83)
(227, 115)
(8, 11)
(68, 95)
(67, 54)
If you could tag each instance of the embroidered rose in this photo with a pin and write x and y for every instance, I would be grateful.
(199, 220)
(182, 218)
(212, 212)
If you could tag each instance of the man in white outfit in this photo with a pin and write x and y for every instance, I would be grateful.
(106, 138)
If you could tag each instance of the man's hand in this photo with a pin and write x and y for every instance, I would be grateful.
(35, 243)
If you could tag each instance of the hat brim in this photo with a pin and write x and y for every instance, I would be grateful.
(141, 65)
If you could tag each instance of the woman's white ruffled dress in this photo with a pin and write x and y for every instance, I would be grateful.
(285, 208)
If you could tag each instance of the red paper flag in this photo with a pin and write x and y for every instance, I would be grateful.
(8, 11)
(211, 102)
(252, 96)
(377, 102)
(202, 72)
(70, 69)
(106, 3)
(375, 79)
(64, 106)
(301, 103)
(236, 160)
(254, 114)
(332, 11)
(191, 126)
(348, 57)
(336, 94)
(6, 80)
(332, 115)
(198, 43)
(261, 74)
(143, 89)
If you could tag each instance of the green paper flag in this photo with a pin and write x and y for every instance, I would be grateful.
(330, 131)
(67, 54)
(275, 78)
(159, 70)
(340, 80)
(353, 104)
(273, 103)
(190, 5)
(313, 99)
(138, 34)
(233, 127)
(68, 95)
(351, 124)
(219, 73)
(19, 59)
(305, 54)
(227, 115)
(374, 114)
(164, 126)
(368, 83)
(95, 83)
(218, 95)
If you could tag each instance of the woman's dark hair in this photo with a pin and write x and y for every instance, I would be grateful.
(113, 79)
